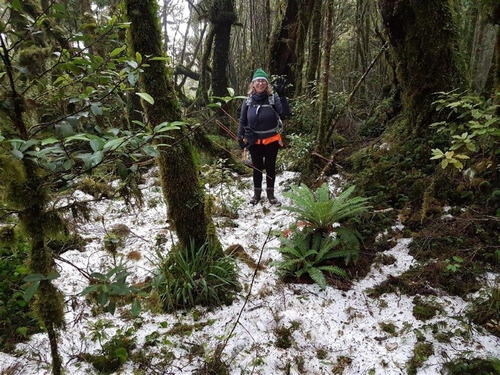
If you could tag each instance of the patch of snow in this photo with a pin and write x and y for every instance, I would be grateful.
(324, 326)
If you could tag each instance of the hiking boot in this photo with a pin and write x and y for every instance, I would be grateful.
(257, 192)
(271, 198)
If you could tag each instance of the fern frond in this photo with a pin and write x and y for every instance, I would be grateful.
(321, 211)
(334, 270)
(318, 277)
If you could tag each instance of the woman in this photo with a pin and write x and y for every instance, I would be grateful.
(259, 130)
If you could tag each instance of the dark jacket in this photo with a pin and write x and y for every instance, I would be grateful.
(259, 120)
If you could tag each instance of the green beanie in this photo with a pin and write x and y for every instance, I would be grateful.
(259, 74)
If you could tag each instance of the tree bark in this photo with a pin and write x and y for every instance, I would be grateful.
(222, 16)
(314, 51)
(321, 139)
(424, 39)
(305, 14)
(282, 44)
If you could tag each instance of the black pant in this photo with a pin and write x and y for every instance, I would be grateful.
(264, 157)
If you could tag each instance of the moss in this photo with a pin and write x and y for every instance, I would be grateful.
(424, 310)
(473, 366)
(8, 236)
(95, 188)
(283, 337)
(49, 304)
(421, 353)
(389, 328)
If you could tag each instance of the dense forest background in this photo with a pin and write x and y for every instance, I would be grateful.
(398, 96)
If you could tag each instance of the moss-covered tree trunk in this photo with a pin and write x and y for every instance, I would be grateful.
(282, 43)
(178, 172)
(322, 140)
(305, 14)
(222, 16)
(425, 41)
(314, 51)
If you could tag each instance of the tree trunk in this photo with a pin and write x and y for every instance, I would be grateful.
(321, 139)
(282, 44)
(314, 50)
(179, 176)
(305, 13)
(222, 16)
(425, 39)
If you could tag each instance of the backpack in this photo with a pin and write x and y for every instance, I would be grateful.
(271, 101)
(271, 104)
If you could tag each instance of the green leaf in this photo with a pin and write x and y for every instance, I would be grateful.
(121, 354)
(31, 290)
(17, 154)
(16, 5)
(159, 58)
(90, 289)
(92, 160)
(113, 144)
(26, 145)
(98, 276)
(151, 151)
(148, 98)
(97, 144)
(49, 141)
(318, 277)
(64, 129)
(138, 57)
(23, 331)
(132, 78)
(117, 51)
(136, 308)
(96, 109)
(122, 170)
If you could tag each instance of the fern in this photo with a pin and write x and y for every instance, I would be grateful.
(322, 211)
(308, 251)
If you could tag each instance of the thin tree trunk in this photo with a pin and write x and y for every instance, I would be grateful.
(305, 13)
(321, 140)
(314, 50)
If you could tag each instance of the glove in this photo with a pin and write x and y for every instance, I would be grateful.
(242, 143)
(279, 86)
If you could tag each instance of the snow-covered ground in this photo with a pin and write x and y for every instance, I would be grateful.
(331, 331)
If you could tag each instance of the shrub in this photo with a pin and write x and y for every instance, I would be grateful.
(191, 276)
(17, 322)
(310, 250)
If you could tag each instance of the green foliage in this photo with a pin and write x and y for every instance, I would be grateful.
(196, 276)
(421, 353)
(298, 148)
(16, 320)
(306, 254)
(486, 311)
(472, 125)
(310, 251)
(320, 211)
(473, 366)
(112, 288)
(453, 265)
(114, 352)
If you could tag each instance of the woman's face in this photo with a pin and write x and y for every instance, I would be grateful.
(260, 85)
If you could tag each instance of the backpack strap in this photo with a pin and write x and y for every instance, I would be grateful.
(270, 99)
